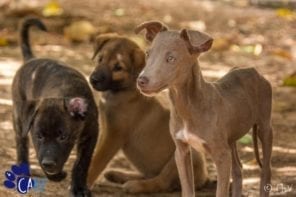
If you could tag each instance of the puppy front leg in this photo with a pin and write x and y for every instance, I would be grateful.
(109, 143)
(22, 150)
(183, 157)
(85, 147)
(185, 168)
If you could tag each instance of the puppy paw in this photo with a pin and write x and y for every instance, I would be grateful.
(115, 177)
(80, 193)
(57, 177)
(134, 187)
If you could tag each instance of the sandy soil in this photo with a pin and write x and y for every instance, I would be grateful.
(245, 36)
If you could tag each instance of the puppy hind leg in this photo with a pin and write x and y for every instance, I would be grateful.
(150, 185)
(266, 137)
(236, 173)
(222, 160)
(165, 181)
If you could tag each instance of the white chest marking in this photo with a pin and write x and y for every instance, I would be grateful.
(182, 135)
(188, 137)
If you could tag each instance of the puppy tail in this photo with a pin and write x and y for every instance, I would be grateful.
(255, 141)
(25, 40)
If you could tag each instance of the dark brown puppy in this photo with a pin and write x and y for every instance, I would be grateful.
(55, 103)
(132, 122)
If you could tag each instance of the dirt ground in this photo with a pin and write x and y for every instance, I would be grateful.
(245, 35)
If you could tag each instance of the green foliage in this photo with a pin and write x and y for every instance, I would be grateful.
(246, 139)
(290, 81)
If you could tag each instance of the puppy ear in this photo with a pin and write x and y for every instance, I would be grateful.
(77, 107)
(100, 41)
(152, 29)
(29, 113)
(197, 42)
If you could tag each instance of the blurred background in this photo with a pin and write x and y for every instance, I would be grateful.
(259, 33)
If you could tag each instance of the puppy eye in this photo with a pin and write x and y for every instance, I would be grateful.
(62, 136)
(117, 67)
(100, 59)
(171, 59)
(40, 136)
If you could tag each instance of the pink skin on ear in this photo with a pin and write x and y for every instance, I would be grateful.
(77, 106)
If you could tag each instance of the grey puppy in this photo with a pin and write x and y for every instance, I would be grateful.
(207, 115)
(56, 104)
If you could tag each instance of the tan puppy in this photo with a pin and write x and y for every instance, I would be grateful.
(134, 123)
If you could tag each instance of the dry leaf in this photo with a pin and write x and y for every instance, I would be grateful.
(79, 31)
(221, 44)
(258, 49)
(290, 80)
(167, 18)
(252, 162)
(282, 53)
(7, 38)
(253, 49)
(195, 25)
(119, 12)
(286, 13)
(53, 8)
(3, 42)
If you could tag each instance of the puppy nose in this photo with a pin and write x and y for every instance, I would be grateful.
(48, 163)
(142, 81)
(99, 79)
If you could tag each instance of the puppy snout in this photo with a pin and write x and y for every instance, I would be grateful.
(142, 81)
(48, 163)
(97, 79)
